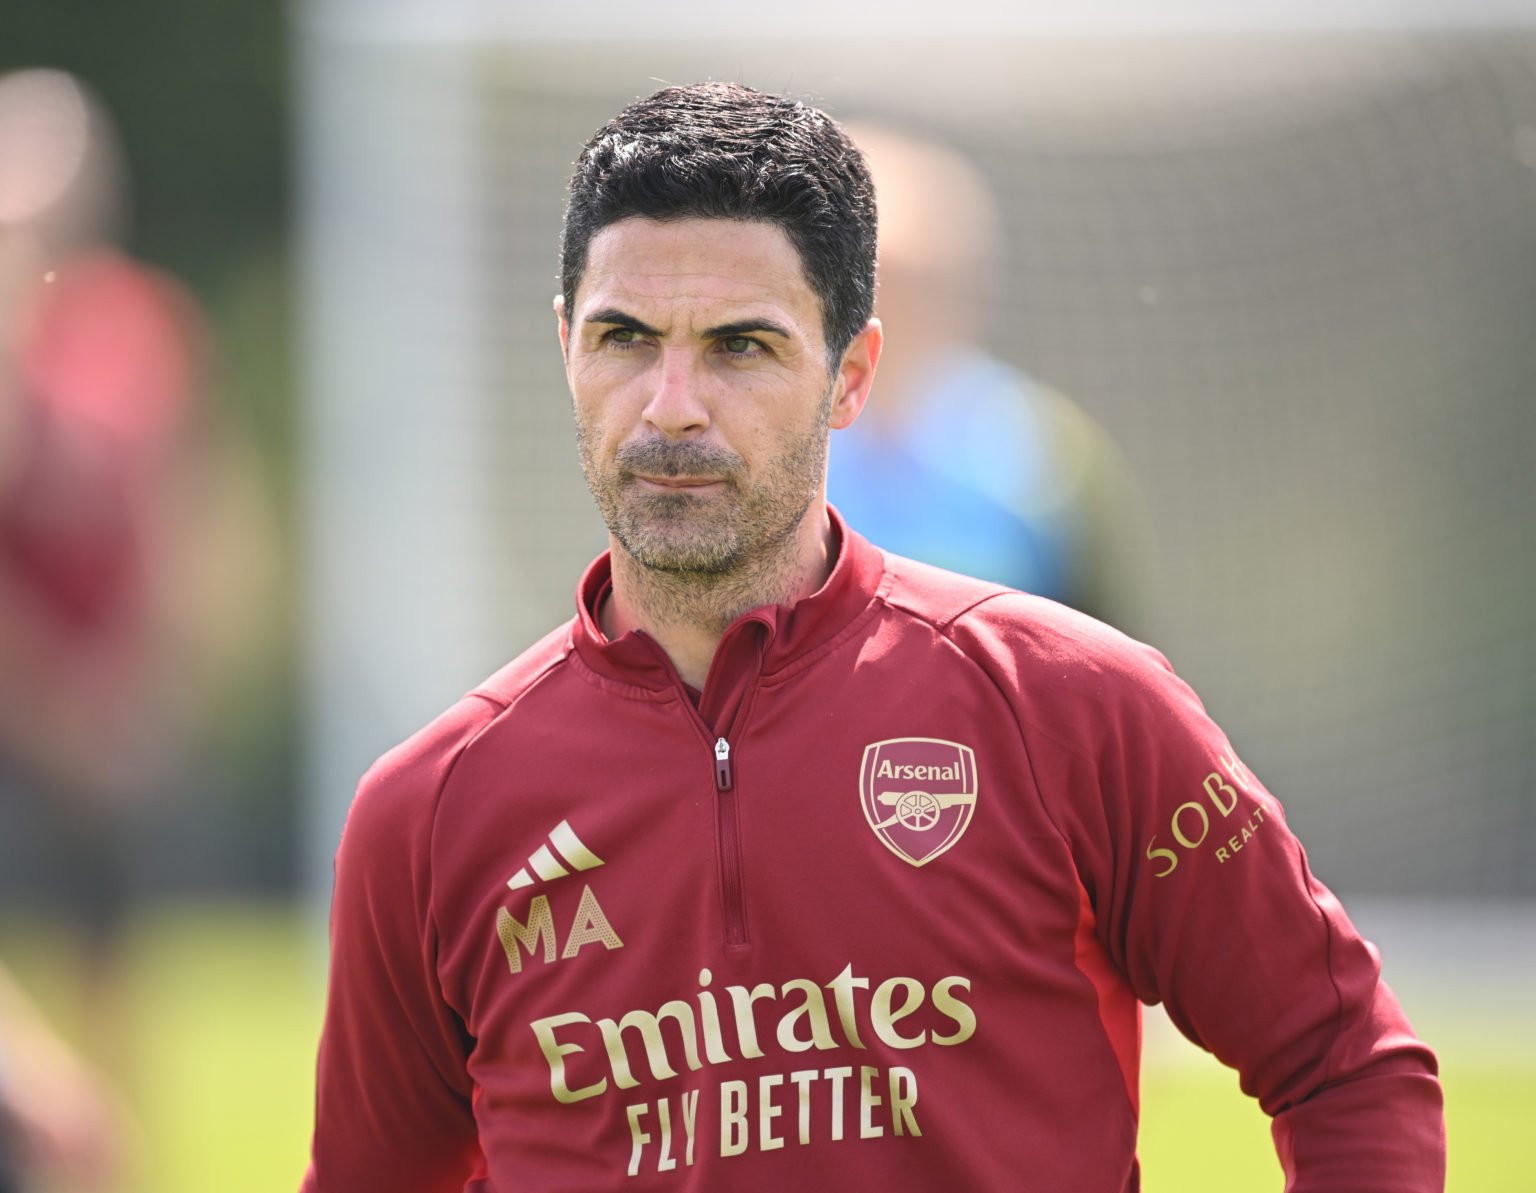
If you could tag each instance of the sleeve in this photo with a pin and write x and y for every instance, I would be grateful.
(393, 1110)
(1204, 901)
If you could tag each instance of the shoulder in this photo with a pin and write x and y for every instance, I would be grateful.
(982, 612)
(932, 594)
(1027, 643)
(529, 669)
(399, 793)
(397, 796)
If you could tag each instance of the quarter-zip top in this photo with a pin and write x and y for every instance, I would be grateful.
(720, 718)
(522, 974)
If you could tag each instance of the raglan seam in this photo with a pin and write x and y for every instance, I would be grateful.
(1330, 941)
(434, 933)
(937, 627)
(500, 706)
(1039, 790)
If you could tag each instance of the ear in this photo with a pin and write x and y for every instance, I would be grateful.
(565, 328)
(856, 374)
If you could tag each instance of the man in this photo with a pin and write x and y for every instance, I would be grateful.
(790, 863)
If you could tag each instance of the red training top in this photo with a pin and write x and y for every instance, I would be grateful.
(875, 914)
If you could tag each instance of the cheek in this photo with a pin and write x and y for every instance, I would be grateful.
(596, 397)
(591, 419)
(595, 376)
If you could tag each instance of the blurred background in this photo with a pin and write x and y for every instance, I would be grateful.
(285, 466)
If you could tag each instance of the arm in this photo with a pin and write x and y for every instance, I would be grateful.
(1204, 901)
(393, 1109)
(59, 1116)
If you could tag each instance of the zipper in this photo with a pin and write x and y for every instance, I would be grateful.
(727, 810)
(732, 888)
(723, 710)
(723, 778)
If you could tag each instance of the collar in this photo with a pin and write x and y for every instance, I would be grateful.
(788, 634)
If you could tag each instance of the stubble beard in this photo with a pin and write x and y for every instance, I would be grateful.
(725, 548)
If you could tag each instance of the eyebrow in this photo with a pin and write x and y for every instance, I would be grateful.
(613, 317)
(743, 326)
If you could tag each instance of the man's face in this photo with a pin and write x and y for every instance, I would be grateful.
(699, 374)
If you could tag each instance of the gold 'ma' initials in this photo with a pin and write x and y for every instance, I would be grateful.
(589, 925)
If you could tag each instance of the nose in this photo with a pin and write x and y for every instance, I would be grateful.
(678, 405)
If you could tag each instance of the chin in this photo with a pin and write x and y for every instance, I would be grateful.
(682, 554)
(675, 532)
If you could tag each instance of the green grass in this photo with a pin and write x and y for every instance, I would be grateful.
(212, 1040)
(1199, 1133)
(220, 1010)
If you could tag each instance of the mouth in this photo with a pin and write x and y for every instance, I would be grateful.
(679, 484)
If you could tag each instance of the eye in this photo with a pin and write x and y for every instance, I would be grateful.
(741, 345)
(623, 337)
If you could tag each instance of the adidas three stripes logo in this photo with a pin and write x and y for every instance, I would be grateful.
(549, 861)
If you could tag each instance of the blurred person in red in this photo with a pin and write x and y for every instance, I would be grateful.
(99, 362)
(965, 461)
(101, 369)
(118, 530)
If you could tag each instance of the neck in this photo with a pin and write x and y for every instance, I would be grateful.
(687, 613)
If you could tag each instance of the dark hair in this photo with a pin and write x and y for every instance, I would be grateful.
(724, 151)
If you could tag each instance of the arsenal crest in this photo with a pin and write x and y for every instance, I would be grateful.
(919, 794)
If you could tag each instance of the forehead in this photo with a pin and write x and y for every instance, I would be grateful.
(709, 264)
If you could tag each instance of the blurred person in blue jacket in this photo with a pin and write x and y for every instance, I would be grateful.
(962, 460)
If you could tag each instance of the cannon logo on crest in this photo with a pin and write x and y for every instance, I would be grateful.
(918, 794)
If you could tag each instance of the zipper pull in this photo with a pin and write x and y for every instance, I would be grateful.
(722, 764)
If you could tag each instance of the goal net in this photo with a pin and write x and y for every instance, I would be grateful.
(1292, 275)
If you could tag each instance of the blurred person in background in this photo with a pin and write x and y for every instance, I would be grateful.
(60, 1124)
(966, 462)
(134, 541)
